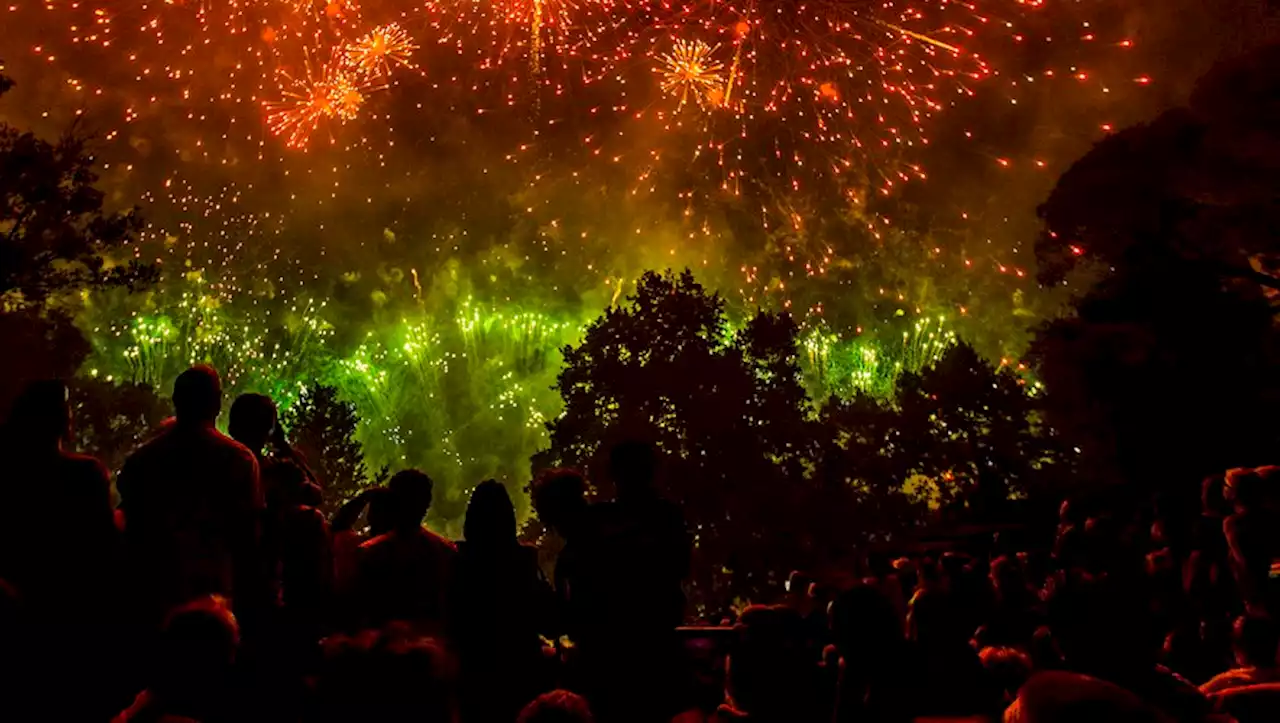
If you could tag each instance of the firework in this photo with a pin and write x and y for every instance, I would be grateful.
(383, 47)
(335, 91)
(690, 70)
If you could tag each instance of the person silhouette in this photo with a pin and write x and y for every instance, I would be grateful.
(630, 649)
(192, 674)
(191, 503)
(499, 606)
(402, 575)
(644, 538)
(250, 421)
(52, 564)
(560, 501)
(255, 423)
(59, 549)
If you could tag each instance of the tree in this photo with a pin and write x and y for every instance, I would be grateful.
(1196, 185)
(1162, 377)
(726, 409)
(111, 420)
(54, 234)
(323, 428)
(959, 434)
(1166, 371)
(55, 238)
(976, 428)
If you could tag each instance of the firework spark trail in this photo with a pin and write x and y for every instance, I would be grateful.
(690, 69)
(384, 46)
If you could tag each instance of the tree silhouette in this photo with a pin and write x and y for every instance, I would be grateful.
(323, 428)
(1166, 371)
(1196, 185)
(726, 409)
(976, 430)
(54, 234)
(960, 435)
(111, 420)
(768, 484)
(55, 238)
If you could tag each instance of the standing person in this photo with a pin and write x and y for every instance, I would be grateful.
(1256, 643)
(1253, 540)
(55, 549)
(191, 502)
(403, 575)
(255, 423)
(295, 536)
(644, 553)
(499, 606)
(644, 538)
(559, 498)
(375, 504)
(58, 552)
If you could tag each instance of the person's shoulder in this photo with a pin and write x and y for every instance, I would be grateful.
(151, 447)
(1222, 681)
(440, 541)
(376, 543)
(85, 466)
(229, 446)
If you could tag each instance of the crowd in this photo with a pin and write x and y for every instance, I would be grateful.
(210, 587)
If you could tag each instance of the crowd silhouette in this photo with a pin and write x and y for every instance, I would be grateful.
(216, 590)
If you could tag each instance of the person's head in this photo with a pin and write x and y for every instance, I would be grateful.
(1006, 669)
(197, 395)
(864, 623)
(491, 518)
(1213, 499)
(1256, 640)
(381, 512)
(198, 644)
(798, 585)
(632, 465)
(560, 498)
(251, 420)
(558, 706)
(41, 414)
(1100, 627)
(1006, 578)
(1244, 488)
(1059, 697)
(389, 676)
(411, 494)
(767, 666)
(933, 620)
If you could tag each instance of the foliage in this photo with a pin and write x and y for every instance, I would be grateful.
(766, 483)
(1166, 371)
(323, 428)
(727, 410)
(1197, 184)
(56, 237)
(112, 419)
(1162, 376)
(976, 430)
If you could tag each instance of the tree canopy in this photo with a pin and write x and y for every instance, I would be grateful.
(55, 235)
(1198, 184)
(767, 481)
(1165, 371)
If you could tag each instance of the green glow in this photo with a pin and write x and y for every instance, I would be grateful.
(460, 388)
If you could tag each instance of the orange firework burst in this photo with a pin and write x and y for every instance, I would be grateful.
(336, 91)
(381, 48)
(691, 71)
